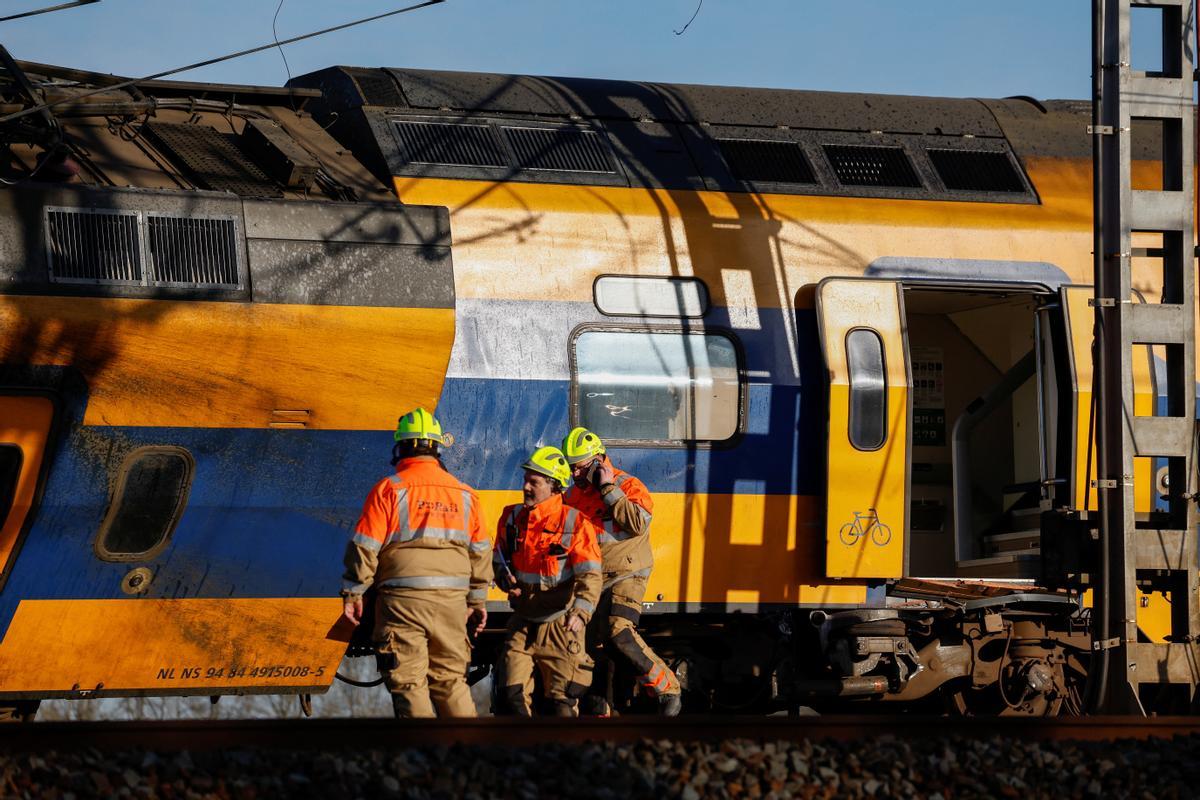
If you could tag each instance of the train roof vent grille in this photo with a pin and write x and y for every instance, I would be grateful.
(193, 252)
(761, 160)
(449, 143)
(563, 149)
(212, 159)
(976, 170)
(378, 88)
(93, 246)
(871, 165)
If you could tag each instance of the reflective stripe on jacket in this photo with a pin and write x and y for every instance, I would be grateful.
(420, 529)
(551, 550)
(623, 515)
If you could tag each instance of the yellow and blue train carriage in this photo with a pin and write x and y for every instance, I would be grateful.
(198, 376)
(843, 338)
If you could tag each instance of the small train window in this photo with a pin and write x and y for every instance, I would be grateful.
(868, 389)
(657, 386)
(149, 498)
(650, 296)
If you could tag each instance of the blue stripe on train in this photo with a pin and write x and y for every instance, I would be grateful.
(270, 510)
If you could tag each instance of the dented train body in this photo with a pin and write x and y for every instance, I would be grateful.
(843, 339)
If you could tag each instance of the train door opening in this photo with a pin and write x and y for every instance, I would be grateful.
(985, 414)
(25, 425)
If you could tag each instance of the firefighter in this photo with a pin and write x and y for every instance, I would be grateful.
(421, 543)
(547, 559)
(619, 505)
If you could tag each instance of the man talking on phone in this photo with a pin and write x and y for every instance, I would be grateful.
(619, 505)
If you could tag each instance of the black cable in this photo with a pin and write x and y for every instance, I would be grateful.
(58, 7)
(275, 33)
(360, 684)
(696, 13)
(134, 81)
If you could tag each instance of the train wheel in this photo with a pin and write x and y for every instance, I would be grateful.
(1030, 688)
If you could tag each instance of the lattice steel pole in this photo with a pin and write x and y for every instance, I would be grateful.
(1160, 551)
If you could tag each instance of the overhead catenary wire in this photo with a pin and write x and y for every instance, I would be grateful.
(209, 62)
(275, 33)
(48, 9)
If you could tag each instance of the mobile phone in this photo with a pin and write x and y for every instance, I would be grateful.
(593, 474)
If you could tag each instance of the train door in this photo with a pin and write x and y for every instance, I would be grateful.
(25, 425)
(863, 337)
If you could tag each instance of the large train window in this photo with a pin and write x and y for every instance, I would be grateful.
(655, 385)
(868, 389)
(149, 498)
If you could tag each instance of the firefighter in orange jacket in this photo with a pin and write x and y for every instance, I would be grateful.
(421, 543)
(547, 559)
(620, 506)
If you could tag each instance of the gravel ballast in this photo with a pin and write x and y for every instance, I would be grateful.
(873, 767)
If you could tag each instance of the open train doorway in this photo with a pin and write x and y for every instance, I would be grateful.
(986, 411)
(955, 416)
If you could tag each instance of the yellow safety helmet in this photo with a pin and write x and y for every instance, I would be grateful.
(420, 424)
(581, 445)
(549, 461)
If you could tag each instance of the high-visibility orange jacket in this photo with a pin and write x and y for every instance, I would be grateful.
(420, 529)
(552, 552)
(622, 513)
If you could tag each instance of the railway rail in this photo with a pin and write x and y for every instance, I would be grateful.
(331, 734)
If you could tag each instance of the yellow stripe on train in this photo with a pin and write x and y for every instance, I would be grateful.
(730, 549)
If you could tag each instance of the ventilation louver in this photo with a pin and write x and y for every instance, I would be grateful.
(212, 159)
(976, 170)
(766, 161)
(448, 143)
(871, 165)
(93, 246)
(566, 150)
(131, 248)
(189, 251)
(377, 88)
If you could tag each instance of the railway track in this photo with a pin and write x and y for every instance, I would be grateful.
(332, 734)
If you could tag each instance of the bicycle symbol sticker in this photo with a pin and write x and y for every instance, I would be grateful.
(865, 525)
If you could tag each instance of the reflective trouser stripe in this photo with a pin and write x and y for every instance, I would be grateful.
(641, 573)
(655, 680)
(480, 546)
(428, 582)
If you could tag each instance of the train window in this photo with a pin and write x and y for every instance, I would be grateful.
(657, 386)
(11, 459)
(149, 498)
(647, 296)
(868, 389)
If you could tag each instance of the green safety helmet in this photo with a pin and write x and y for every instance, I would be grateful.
(420, 424)
(549, 461)
(581, 445)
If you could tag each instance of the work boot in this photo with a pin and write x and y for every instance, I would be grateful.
(669, 705)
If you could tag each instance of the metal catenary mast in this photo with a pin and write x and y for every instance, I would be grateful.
(1160, 553)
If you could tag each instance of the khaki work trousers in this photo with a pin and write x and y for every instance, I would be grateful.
(557, 653)
(623, 603)
(421, 639)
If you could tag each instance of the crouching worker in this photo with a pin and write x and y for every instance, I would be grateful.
(620, 507)
(421, 543)
(548, 561)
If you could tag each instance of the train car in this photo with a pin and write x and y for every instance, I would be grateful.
(210, 313)
(844, 339)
